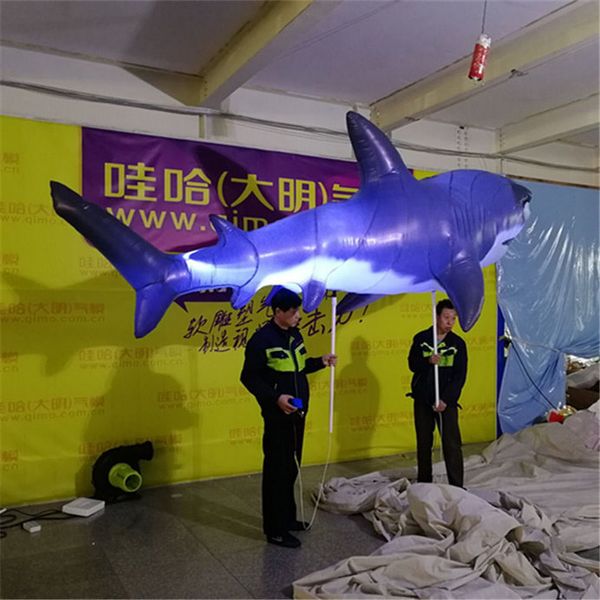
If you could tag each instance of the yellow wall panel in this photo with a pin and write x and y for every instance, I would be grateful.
(76, 382)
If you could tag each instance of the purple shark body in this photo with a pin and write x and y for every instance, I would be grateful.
(395, 235)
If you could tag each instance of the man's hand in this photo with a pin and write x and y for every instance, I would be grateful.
(434, 359)
(284, 404)
(441, 407)
(329, 360)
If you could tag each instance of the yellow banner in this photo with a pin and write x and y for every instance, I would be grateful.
(76, 382)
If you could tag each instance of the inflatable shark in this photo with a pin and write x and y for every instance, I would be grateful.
(395, 235)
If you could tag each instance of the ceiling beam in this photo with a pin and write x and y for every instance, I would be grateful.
(247, 52)
(551, 125)
(549, 37)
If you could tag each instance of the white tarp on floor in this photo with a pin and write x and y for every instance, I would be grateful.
(532, 502)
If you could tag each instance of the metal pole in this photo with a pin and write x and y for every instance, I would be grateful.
(436, 374)
(332, 368)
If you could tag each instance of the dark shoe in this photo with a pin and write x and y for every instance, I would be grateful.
(299, 526)
(287, 540)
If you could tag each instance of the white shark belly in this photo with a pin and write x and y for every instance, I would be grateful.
(296, 275)
(351, 275)
(358, 277)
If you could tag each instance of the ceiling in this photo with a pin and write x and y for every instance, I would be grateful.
(404, 59)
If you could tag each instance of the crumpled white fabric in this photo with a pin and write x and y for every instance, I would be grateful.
(532, 502)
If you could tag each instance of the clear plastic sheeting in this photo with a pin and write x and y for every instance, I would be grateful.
(548, 286)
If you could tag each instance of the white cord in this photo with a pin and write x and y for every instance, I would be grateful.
(321, 485)
(330, 437)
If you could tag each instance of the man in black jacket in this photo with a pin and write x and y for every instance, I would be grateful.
(451, 359)
(275, 369)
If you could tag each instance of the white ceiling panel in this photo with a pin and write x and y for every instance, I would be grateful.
(590, 138)
(180, 35)
(366, 49)
(355, 51)
(558, 81)
(564, 79)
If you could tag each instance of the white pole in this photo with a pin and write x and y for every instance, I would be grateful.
(332, 368)
(436, 375)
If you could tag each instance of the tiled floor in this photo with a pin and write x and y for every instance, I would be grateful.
(198, 540)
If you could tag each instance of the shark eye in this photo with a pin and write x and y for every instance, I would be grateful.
(522, 194)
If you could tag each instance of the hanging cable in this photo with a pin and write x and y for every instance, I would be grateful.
(10, 518)
(484, 15)
(517, 353)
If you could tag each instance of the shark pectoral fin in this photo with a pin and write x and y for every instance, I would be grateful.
(463, 282)
(353, 301)
(312, 295)
(242, 295)
(151, 303)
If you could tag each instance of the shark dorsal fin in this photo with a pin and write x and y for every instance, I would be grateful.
(227, 232)
(239, 247)
(375, 154)
(234, 250)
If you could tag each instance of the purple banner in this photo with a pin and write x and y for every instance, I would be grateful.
(165, 189)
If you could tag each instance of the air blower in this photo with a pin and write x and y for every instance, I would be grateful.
(116, 474)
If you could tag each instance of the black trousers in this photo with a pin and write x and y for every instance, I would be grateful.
(425, 420)
(282, 446)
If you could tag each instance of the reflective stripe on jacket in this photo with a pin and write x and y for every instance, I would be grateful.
(275, 363)
(452, 367)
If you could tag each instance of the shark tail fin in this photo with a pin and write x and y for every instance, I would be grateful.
(156, 276)
(151, 303)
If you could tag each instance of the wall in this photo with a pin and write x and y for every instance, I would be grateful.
(76, 382)
(123, 389)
